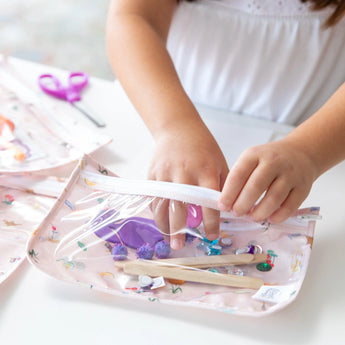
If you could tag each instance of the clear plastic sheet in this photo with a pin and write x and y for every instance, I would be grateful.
(32, 137)
(20, 215)
(103, 234)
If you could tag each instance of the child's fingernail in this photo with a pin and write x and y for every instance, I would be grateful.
(222, 206)
(212, 237)
(234, 213)
(176, 243)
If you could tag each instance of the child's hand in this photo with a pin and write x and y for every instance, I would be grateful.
(279, 169)
(190, 157)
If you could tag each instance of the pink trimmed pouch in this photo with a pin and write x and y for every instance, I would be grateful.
(32, 136)
(21, 212)
(102, 233)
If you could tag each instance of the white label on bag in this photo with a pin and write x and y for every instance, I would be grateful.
(275, 293)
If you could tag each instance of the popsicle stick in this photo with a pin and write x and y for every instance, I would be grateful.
(206, 261)
(214, 260)
(194, 275)
(262, 257)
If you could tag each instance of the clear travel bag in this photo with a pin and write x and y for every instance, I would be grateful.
(33, 137)
(24, 204)
(112, 234)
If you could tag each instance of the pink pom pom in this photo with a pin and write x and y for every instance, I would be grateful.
(194, 216)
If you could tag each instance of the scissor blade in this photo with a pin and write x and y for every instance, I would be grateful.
(83, 109)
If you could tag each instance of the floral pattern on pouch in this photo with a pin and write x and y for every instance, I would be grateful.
(20, 215)
(79, 256)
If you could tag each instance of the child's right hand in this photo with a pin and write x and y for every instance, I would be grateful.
(190, 156)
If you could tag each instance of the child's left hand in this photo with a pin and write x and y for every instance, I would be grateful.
(281, 170)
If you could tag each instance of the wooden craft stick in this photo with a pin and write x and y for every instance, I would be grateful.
(214, 260)
(195, 275)
(206, 261)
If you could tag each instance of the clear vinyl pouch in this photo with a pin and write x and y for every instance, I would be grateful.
(105, 232)
(34, 137)
(21, 212)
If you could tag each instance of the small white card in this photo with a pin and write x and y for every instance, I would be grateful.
(275, 293)
(157, 283)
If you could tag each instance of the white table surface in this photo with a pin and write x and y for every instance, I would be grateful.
(36, 309)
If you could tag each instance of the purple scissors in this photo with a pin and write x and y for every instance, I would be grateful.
(71, 93)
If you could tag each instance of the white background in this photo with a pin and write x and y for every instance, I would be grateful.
(36, 309)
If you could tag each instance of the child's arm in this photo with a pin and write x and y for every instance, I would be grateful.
(286, 169)
(185, 151)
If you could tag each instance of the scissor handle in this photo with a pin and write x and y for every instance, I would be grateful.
(54, 89)
(78, 80)
(71, 93)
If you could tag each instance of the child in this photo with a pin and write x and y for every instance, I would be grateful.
(278, 60)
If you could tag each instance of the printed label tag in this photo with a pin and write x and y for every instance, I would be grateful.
(275, 294)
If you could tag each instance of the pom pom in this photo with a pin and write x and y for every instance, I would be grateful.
(145, 252)
(119, 252)
(194, 216)
(162, 249)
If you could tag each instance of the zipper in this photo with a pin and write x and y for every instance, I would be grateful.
(190, 194)
(167, 190)
(33, 184)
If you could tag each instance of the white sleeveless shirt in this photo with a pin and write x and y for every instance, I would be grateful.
(266, 58)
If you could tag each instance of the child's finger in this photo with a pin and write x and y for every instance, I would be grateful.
(235, 181)
(258, 182)
(274, 197)
(177, 222)
(160, 210)
(211, 223)
(290, 205)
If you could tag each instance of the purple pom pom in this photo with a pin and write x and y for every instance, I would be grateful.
(162, 249)
(145, 252)
(119, 252)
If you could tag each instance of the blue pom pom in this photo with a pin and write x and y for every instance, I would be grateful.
(119, 252)
(145, 252)
(162, 249)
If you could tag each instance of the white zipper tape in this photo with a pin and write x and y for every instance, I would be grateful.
(174, 191)
(168, 190)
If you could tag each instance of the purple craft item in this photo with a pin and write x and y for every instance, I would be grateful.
(162, 249)
(119, 252)
(133, 232)
(145, 252)
(137, 231)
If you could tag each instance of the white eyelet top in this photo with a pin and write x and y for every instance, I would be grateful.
(264, 58)
(269, 7)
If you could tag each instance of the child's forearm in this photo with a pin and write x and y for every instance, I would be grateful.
(322, 136)
(136, 48)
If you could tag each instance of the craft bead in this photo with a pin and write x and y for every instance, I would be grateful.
(176, 281)
(236, 271)
(242, 250)
(145, 252)
(162, 249)
(257, 249)
(214, 250)
(264, 267)
(225, 242)
(145, 281)
(194, 216)
(251, 249)
(119, 252)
